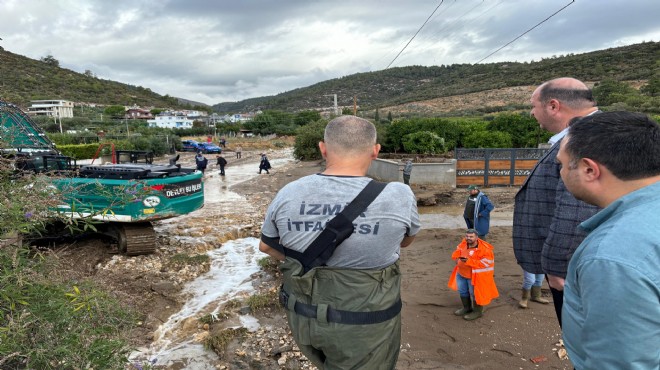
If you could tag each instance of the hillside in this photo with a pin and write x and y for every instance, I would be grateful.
(23, 79)
(404, 90)
(402, 85)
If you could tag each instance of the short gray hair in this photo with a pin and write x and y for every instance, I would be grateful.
(350, 134)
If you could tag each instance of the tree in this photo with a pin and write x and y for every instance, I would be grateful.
(652, 88)
(50, 60)
(306, 146)
(389, 116)
(269, 122)
(89, 73)
(305, 117)
(523, 130)
(487, 139)
(377, 116)
(424, 142)
(115, 111)
(608, 92)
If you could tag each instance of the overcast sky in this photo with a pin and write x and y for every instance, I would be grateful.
(215, 51)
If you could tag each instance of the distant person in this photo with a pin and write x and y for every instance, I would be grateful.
(239, 151)
(223, 142)
(477, 211)
(201, 162)
(612, 290)
(473, 275)
(264, 164)
(222, 162)
(344, 313)
(545, 214)
(407, 171)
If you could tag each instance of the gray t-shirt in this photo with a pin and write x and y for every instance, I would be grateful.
(301, 209)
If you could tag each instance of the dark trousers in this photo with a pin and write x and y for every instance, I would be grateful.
(558, 300)
(222, 170)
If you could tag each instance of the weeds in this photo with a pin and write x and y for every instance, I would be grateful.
(261, 301)
(55, 325)
(269, 265)
(219, 342)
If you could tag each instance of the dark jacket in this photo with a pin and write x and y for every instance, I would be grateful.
(482, 208)
(221, 161)
(201, 162)
(545, 219)
(265, 164)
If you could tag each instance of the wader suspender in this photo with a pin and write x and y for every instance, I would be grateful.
(335, 231)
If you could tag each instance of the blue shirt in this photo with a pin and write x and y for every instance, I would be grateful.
(611, 312)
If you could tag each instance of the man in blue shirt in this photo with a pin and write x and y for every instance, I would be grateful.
(611, 312)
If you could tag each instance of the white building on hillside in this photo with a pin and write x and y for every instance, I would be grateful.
(168, 120)
(51, 108)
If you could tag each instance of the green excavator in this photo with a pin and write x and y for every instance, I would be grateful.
(123, 196)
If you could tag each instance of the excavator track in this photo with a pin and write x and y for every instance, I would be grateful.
(136, 238)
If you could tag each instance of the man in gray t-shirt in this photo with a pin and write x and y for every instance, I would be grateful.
(300, 210)
(362, 278)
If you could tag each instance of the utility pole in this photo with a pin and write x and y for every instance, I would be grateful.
(335, 106)
(57, 115)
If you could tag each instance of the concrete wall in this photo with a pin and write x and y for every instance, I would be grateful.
(422, 173)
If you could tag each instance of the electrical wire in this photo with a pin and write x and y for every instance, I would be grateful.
(434, 37)
(526, 32)
(420, 28)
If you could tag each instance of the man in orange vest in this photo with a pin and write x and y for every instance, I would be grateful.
(473, 275)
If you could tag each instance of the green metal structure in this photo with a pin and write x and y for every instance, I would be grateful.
(125, 195)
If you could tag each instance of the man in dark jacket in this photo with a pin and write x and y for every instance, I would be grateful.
(222, 163)
(546, 215)
(201, 162)
(477, 211)
(264, 164)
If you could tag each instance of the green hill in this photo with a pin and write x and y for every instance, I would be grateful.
(401, 85)
(23, 79)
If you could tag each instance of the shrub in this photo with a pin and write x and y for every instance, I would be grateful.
(306, 146)
(487, 139)
(423, 142)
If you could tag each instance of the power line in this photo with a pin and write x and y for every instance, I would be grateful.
(435, 36)
(524, 33)
(420, 28)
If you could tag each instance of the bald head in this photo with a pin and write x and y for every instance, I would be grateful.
(350, 135)
(569, 91)
(556, 102)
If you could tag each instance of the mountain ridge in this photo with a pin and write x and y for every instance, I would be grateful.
(402, 85)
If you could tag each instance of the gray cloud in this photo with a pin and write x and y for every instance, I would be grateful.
(214, 51)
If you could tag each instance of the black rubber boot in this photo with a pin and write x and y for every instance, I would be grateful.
(467, 307)
(476, 313)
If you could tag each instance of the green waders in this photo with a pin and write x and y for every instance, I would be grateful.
(327, 291)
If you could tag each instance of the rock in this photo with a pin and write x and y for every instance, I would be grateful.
(427, 200)
(280, 349)
(244, 310)
(165, 288)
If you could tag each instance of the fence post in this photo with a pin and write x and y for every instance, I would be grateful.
(512, 170)
(486, 165)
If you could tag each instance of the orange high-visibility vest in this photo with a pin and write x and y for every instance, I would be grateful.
(482, 261)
